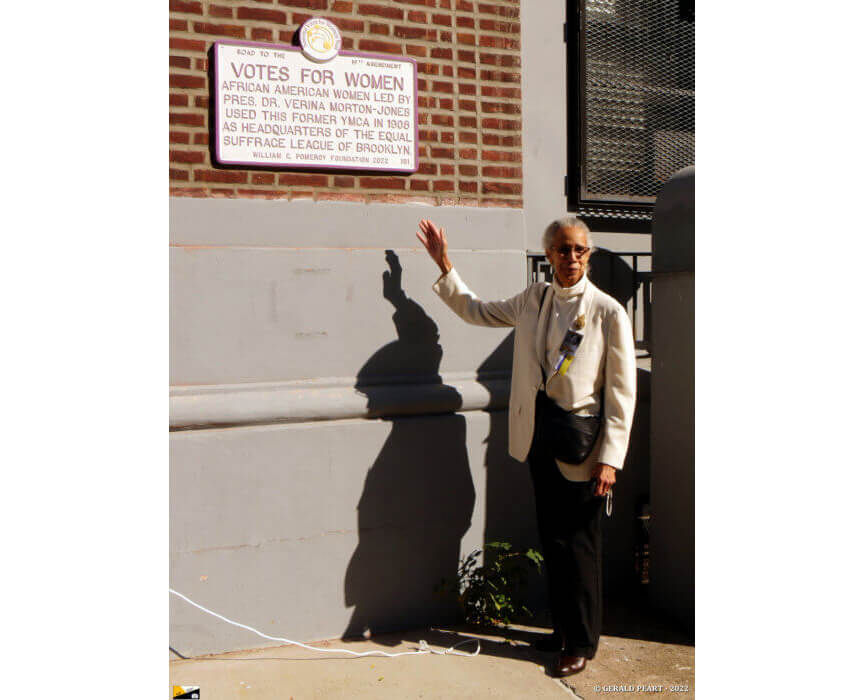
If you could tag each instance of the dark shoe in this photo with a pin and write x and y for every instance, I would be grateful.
(548, 642)
(569, 665)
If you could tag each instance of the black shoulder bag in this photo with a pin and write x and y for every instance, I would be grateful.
(568, 436)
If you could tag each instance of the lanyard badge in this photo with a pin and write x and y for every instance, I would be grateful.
(572, 339)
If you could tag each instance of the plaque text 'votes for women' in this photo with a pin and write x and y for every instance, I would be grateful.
(275, 107)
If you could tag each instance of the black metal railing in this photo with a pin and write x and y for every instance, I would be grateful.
(619, 274)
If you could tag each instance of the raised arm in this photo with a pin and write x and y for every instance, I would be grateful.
(456, 293)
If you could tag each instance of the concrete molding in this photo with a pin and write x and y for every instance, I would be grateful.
(202, 407)
(309, 224)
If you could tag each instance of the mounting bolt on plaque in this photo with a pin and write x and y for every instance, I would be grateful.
(320, 39)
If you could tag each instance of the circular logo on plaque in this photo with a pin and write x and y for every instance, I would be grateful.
(320, 39)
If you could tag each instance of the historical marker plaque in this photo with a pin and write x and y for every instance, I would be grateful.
(275, 107)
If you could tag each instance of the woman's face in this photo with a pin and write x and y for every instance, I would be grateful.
(569, 255)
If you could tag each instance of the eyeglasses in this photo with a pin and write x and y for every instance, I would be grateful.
(565, 250)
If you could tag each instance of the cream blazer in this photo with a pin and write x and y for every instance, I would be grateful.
(603, 368)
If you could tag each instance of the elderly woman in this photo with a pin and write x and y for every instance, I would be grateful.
(574, 366)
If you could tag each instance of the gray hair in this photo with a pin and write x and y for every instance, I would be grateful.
(565, 222)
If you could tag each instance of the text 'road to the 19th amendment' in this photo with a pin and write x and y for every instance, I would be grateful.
(275, 107)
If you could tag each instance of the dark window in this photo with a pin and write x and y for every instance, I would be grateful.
(631, 91)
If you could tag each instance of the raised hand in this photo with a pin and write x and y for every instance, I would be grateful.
(435, 242)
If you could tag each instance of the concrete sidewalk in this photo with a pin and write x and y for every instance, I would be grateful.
(507, 667)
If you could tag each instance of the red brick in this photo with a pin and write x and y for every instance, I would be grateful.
(439, 52)
(186, 81)
(467, 89)
(348, 25)
(495, 25)
(500, 171)
(465, 38)
(383, 183)
(179, 61)
(262, 15)
(419, 185)
(416, 50)
(191, 8)
(225, 192)
(468, 153)
(381, 11)
(177, 25)
(186, 44)
(414, 16)
(441, 152)
(468, 73)
(427, 3)
(375, 28)
(499, 76)
(187, 192)
(298, 179)
(468, 136)
(263, 178)
(500, 107)
(186, 156)
(379, 46)
(343, 181)
(511, 12)
(178, 137)
(202, 101)
(468, 105)
(442, 20)
(498, 91)
(502, 124)
(232, 30)
(415, 33)
(221, 176)
(499, 140)
(466, 186)
(447, 169)
(311, 4)
(186, 118)
(443, 186)
(498, 156)
(265, 194)
(427, 135)
(502, 188)
(468, 170)
(427, 169)
(442, 119)
(441, 86)
(447, 70)
(465, 120)
(464, 6)
(175, 174)
(339, 6)
(201, 138)
(465, 22)
(445, 37)
(428, 68)
(448, 137)
(466, 55)
(503, 60)
(262, 34)
(220, 11)
(175, 100)
(498, 42)
(444, 4)
(426, 102)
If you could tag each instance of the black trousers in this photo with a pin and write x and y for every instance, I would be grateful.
(568, 518)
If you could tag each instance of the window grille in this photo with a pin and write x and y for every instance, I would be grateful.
(631, 88)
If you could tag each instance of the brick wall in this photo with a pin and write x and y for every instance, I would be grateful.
(468, 70)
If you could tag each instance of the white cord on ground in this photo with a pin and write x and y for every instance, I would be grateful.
(424, 647)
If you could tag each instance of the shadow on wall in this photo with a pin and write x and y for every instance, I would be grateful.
(418, 496)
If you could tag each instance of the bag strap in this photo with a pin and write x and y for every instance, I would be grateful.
(540, 311)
